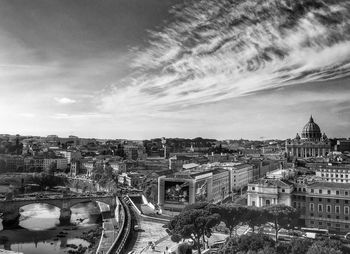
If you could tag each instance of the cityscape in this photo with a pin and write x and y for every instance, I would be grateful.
(174, 127)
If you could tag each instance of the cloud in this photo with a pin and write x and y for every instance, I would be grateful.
(65, 100)
(217, 50)
(79, 116)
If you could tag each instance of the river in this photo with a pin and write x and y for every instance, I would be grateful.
(40, 232)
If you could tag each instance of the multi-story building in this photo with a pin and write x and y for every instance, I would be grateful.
(240, 174)
(74, 167)
(60, 163)
(343, 145)
(134, 151)
(184, 188)
(323, 204)
(118, 166)
(177, 161)
(70, 155)
(33, 164)
(338, 174)
(270, 191)
(11, 163)
(221, 185)
(311, 143)
(262, 166)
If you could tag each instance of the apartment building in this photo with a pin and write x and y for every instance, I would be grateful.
(337, 174)
(323, 204)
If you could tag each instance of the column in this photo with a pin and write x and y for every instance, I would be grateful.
(10, 218)
(65, 214)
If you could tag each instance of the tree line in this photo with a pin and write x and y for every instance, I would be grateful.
(197, 222)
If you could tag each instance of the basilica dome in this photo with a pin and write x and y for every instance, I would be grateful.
(311, 131)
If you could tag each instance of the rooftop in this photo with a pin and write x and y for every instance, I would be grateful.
(330, 185)
(273, 182)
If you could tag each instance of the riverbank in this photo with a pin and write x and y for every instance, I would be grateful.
(64, 237)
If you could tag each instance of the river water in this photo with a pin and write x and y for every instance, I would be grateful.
(39, 229)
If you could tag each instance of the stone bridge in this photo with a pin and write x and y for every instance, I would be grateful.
(11, 208)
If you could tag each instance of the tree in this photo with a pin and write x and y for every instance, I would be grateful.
(282, 216)
(231, 215)
(325, 247)
(184, 248)
(255, 216)
(194, 224)
(300, 246)
(254, 243)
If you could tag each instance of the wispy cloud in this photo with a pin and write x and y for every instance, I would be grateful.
(65, 100)
(79, 116)
(216, 50)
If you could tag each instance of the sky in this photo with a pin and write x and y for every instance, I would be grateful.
(135, 69)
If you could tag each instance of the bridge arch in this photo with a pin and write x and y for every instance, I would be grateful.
(11, 208)
(39, 201)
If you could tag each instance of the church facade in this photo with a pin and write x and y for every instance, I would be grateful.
(311, 143)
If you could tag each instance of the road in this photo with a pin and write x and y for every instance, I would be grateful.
(110, 228)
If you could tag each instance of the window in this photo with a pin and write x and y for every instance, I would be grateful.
(253, 188)
(346, 193)
(320, 223)
(320, 191)
(304, 189)
(346, 201)
(283, 190)
(328, 216)
(328, 224)
(337, 201)
(328, 192)
(311, 222)
(312, 190)
(337, 192)
(253, 203)
(337, 217)
(311, 207)
(328, 200)
(337, 209)
(346, 210)
(320, 199)
(320, 208)
(328, 209)
(311, 199)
